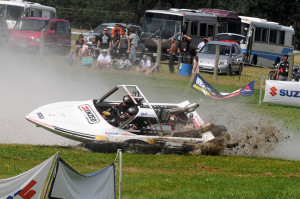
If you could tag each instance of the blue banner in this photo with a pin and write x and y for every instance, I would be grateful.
(199, 84)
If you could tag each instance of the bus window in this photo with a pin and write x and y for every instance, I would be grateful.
(223, 28)
(264, 35)
(14, 12)
(281, 35)
(203, 29)
(194, 28)
(257, 34)
(210, 30)
(273, 35)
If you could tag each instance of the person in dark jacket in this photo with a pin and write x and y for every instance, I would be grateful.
(283, 69)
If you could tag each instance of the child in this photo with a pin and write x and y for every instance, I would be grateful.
(145, 65)
(70, 58)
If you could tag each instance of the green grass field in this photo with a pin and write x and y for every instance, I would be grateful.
(171, 176)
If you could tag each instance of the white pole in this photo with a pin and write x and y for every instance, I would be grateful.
(120, 173)
(42, 42)
(261, 85)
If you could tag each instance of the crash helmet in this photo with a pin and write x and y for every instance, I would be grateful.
(127, 101)
(132, 110)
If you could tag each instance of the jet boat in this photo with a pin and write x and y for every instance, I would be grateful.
(152, 123)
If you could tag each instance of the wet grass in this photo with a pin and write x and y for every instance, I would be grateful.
(171, 176)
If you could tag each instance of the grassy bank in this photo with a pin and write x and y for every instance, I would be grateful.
(171, 176)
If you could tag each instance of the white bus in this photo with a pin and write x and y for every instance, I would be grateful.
(266, 42)
(12, 10)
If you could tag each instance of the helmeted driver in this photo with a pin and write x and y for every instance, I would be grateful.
(118, 114)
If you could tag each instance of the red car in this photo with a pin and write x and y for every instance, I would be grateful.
(27, 34)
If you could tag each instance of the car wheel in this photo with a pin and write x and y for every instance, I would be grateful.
(229, 70)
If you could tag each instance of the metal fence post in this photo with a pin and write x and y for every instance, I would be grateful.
(120, 173)
(216, 61)
(260, 91)
(42, 42)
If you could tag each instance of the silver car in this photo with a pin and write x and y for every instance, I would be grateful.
(230, 60)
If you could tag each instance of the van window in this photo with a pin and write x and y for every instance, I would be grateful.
(31, 25)
(257, 34)
(60, 27)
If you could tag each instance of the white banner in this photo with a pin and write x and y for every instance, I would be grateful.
(68, 183)
(27, 185)
(282, 92)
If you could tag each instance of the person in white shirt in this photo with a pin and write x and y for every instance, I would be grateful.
(84, 49)
(123, 63)
(203, 43)
(104, 60)
(145, 65)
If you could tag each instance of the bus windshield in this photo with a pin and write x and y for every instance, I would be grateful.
(31, 25)
(211, 49)
(11, 12)
(169, 28)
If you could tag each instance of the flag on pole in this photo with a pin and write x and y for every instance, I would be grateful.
(27, 185)
(200, 85)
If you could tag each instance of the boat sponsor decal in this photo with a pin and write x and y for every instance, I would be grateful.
(40, 123)
(74, 133)
(98, 137)
(127, 134)
(89, 114)
(144, 114)
(112, 133)
(40, 115)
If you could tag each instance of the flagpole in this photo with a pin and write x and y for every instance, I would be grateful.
(120, 173)
(51, 175)
(190, 83)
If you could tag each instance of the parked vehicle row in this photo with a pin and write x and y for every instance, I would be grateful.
(28, 31)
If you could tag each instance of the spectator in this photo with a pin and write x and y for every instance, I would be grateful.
(84, 49)
(203, 43)
(145, 65)
(114, 44)
(78, 44)
(123, 63)
(104, 60)
(134, 38)
(195, 65)
(103, 40)
(184, 50)
(70, 58)
(124, 44)
(115, 30)
(283, 69)
(172, 52)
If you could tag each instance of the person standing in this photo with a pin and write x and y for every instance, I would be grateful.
(103, 40)
(124, 44)
(172, 52)
(184, 54)
(134, 41)
(203, 43)
(283, 69)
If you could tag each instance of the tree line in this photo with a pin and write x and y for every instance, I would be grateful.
(89, 14)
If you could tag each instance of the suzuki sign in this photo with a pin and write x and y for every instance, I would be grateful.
(282, 92)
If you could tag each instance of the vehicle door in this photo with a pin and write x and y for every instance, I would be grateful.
(235, 59)
(60, 34)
